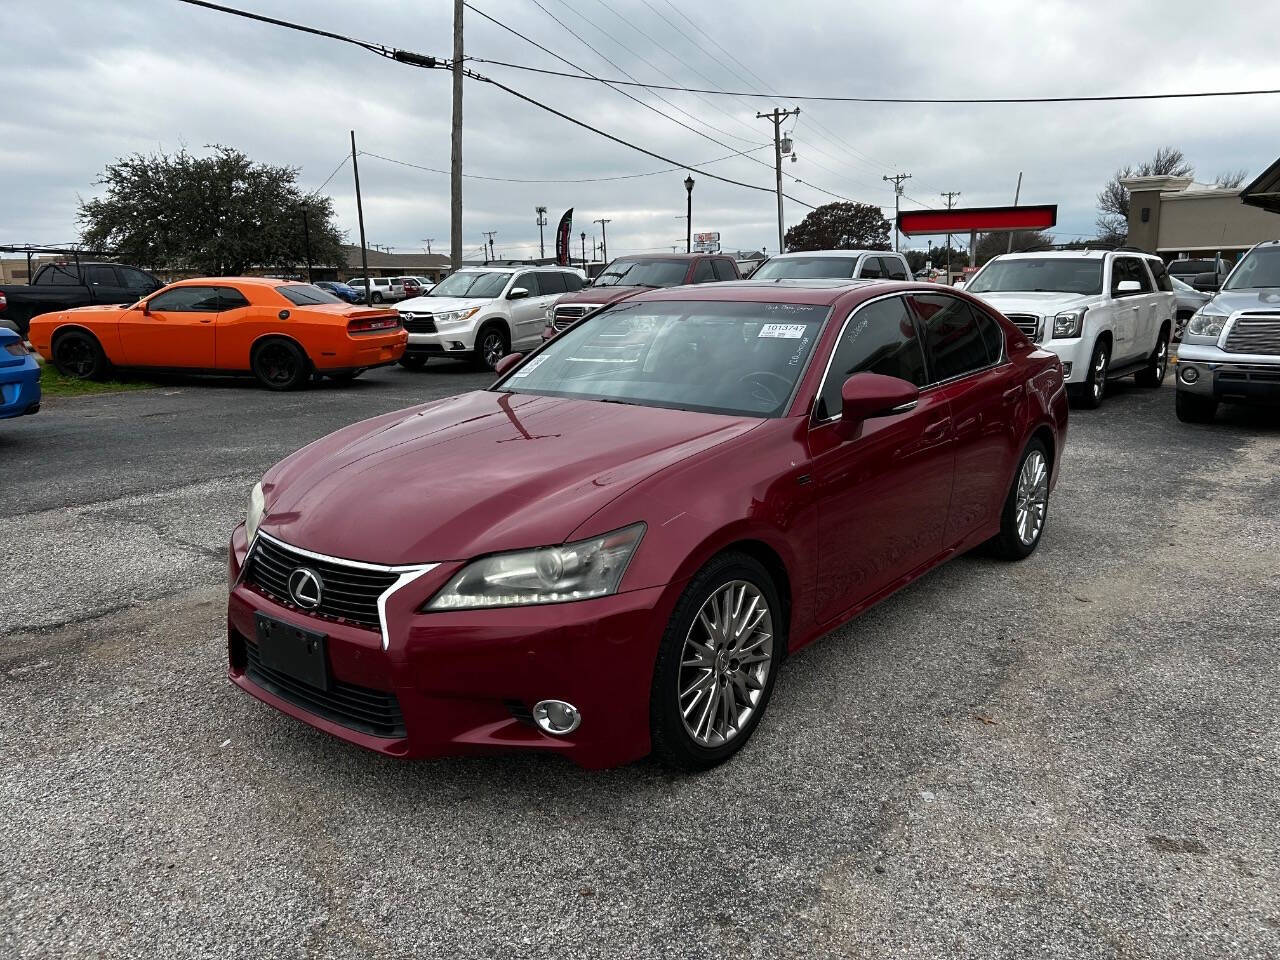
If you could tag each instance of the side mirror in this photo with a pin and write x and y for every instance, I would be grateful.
(517, 293)
(1128, 286)
(867, 395)
(146, 307)
(507, 362)
(1207, 282)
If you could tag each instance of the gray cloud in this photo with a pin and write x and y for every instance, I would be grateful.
(93, 81)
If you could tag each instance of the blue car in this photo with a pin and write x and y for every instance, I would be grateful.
(341, 290)
(19, 377)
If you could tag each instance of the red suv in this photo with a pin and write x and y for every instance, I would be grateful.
(627, 276)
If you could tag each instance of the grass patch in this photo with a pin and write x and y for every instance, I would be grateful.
(54, 384)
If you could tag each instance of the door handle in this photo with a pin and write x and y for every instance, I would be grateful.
(1011, 395)
(934, 430)
(210, 320)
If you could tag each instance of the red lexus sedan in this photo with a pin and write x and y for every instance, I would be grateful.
(612, 549)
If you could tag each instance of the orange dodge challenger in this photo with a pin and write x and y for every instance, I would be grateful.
(278, 330)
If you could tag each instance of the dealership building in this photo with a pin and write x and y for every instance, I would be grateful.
(1176, 217)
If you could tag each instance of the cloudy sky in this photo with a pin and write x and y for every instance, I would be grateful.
(93, 80)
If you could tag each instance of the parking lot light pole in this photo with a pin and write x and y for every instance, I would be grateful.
(542, 222)
(688, 216)
(584, 253)
(604, 239)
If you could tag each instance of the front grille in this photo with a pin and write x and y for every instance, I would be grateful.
(374, 712)
(563, 317)
(1028, 324)
(418, 322)
(348, 594)
(1254, 335)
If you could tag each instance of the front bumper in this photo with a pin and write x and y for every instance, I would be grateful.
(1209, 371)
(461, 340)
(465, 681)
(1075, 355)
(19, 387)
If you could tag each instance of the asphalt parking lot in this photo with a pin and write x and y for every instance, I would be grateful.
(1076, 756)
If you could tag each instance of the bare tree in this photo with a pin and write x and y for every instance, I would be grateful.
(1113, 199)
(1231, 179)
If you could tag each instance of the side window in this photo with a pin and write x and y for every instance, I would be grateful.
(725, 270)
(100, 275)
(527, 280)
(952, 335)
(60, 275)
(551, 282)
(703, 273)
(135, 280)
(572, 282)
(1128, 268)
(1161, 275)
(992, 334)
(1139, 272)
(229, 298)
(186, 300)
(893, 268)
(879, 338)
(871, 269)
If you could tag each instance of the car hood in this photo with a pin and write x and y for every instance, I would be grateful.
(601, 295)
(96, 310)
(475, 474)
(1229, 301)
(1043, 303)
(440, 304)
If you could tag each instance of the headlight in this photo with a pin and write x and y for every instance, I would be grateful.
(1204, 324)
(576, 571)
(1069, 323)
(256, 507)
(456, 316)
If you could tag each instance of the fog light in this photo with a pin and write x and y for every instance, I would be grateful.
(457, 345)
(1066, 370)
(1189, 374)
(556, 717)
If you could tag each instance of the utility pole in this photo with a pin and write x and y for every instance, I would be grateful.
(896, 180)
(364, 251)
(455, 149)
(604, 239)
(542, 222)
(428, 241)
(1016, 194)
(950, 197)
(490, 234)
(306, 239)
(777, 116)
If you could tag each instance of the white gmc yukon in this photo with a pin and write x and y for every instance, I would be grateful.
(1106, 313)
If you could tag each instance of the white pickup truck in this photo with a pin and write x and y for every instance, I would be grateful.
(1106, 313)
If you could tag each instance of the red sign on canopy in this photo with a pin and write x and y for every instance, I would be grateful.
(914, 223)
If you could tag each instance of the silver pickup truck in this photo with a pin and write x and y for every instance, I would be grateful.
(1230, 350)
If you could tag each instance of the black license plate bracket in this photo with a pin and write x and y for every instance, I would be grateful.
(297, 652)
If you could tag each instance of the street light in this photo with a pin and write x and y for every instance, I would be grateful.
(585, 268)
(688, 220)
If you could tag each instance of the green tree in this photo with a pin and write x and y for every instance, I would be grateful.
(217, 215)
(840, 226)
(1113, 199)
(1024, 241)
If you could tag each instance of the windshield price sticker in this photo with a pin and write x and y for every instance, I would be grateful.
(784, 331)
(528, 368)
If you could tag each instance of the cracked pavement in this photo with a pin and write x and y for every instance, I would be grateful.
(1076, 756)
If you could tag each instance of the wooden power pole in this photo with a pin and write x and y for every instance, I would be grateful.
(455, 151)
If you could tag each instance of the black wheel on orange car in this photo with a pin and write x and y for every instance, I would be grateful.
(492, 344)
(716, 663)
(413, 361)
(1026, 508)
(280, 364)
(79, 355)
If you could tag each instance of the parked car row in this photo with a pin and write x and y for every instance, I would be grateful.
(62, 286)
(389, 289)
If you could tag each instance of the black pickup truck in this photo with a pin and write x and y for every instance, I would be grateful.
(59, 286)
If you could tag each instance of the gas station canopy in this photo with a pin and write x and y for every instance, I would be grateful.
(914, 223)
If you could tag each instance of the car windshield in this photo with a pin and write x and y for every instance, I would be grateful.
(721, 357)
(1260, 268)
(1056, 274)
(304, 294)
(471, 284)
(643, 273)
(806, 268)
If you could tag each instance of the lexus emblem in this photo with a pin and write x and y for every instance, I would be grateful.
(306, 588)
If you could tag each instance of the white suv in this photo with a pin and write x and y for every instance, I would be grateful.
(384, 289)
(1106, 313)
(835, 265)
(483, 313)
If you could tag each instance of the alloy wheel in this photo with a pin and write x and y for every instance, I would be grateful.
(1099, 375)
(725, 663)
(75, 357)
(1162, 359)
(1033, 497)
(278, 363)
(491, 349)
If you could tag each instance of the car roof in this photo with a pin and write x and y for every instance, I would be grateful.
(239, 281)
(1076, 255)
(821, 254)
(801, 291)
(510, 269)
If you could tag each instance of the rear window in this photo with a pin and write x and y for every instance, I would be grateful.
(306, 294)
(806, 268)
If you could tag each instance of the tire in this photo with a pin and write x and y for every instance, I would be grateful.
(1026, 508)
(376, 298)
(1095, 386)
(280, 364)
(492, 344)
(1153, 374)
(1192, 408)
(79, 355)
(710, 738)
(413, 361)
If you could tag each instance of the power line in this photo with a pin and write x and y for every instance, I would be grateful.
(1100, 98)
(345, 158)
